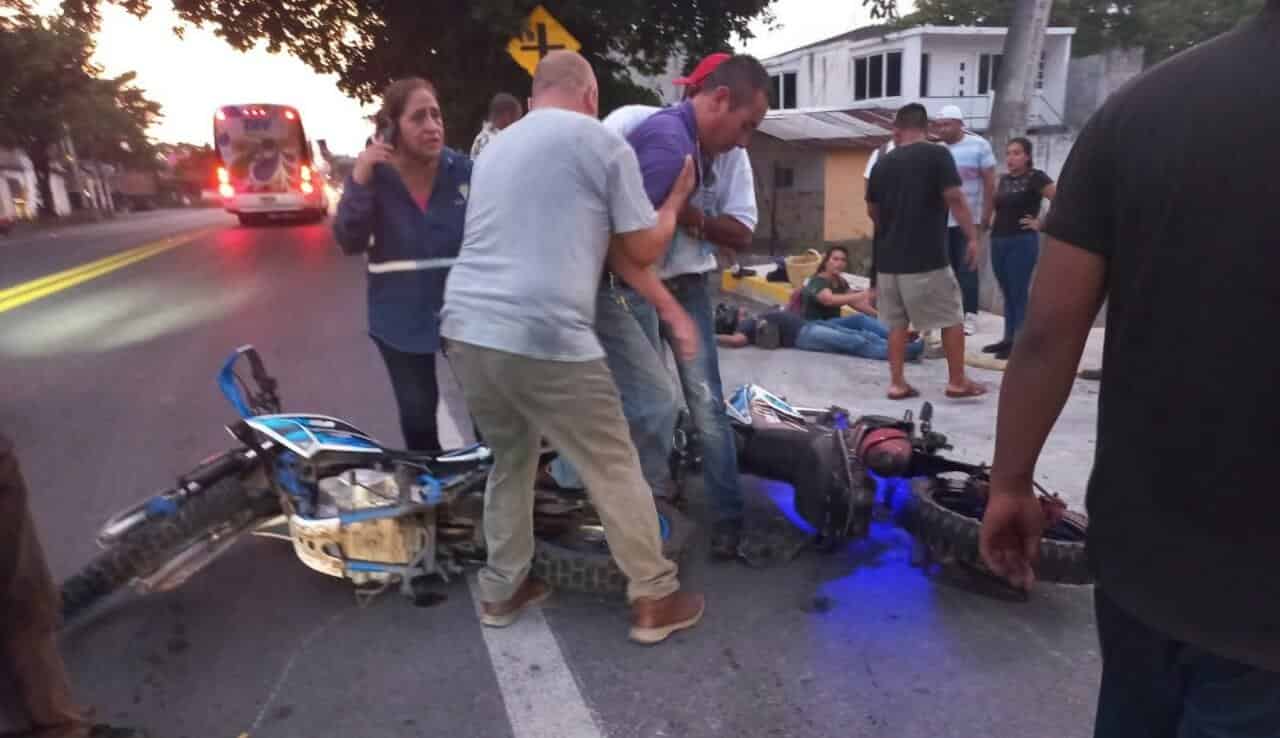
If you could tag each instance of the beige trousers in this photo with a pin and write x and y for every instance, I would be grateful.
(516, 401)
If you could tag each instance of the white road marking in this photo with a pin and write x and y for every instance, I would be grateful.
(540, 693)
(538, 689)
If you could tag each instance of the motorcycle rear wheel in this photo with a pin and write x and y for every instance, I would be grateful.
(946, 516)
(146, 548)
(579, 560)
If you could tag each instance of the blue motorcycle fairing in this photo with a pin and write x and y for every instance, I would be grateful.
(309, 435)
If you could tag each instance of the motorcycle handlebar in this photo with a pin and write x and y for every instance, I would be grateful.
(219, 467)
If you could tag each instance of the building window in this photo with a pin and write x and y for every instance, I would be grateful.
(784, 178)
(782, 91)
(893, 74)
(924, 75)
(988, 72)
(877, 76)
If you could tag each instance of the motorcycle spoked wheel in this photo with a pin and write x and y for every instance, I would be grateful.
(945, 515)
(576, 556)
(146, 548)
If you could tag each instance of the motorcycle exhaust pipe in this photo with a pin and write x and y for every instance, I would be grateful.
(191, 561)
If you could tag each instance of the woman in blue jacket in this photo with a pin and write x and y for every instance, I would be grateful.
(408, 192)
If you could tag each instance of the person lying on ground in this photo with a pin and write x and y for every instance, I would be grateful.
(852, 335)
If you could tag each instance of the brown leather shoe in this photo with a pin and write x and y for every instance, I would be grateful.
(653, 620)
(501, 614)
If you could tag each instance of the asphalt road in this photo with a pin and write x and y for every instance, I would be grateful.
(109, 393)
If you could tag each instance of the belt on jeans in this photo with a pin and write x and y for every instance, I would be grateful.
(679, 278)
(410, 265)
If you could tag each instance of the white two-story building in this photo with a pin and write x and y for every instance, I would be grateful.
(833, 103)
(880, 67)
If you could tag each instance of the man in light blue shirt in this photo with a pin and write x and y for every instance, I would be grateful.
(977, 166)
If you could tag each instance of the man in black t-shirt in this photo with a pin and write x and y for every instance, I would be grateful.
(1183, 503)
(910, 192)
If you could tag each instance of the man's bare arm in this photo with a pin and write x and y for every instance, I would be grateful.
(959, 205)
(988, 195)
(1069, 287)
(725, 231)
(728, 231)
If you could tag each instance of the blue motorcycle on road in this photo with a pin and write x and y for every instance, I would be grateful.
(351, 507)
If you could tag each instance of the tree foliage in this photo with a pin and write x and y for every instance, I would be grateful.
(50, 90)
(1161, 27)
(461, 46)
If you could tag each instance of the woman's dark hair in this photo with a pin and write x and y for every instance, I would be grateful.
(822, 265)
(1027, 149)
(396, 97)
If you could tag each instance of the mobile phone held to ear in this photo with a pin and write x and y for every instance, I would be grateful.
(389, 133)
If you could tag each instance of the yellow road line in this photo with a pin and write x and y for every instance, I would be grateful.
(36, 289)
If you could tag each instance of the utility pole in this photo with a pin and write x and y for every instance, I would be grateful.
(74, 182)
(1018, 70)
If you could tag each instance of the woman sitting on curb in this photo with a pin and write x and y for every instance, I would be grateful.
(854, 335)
(827, 292)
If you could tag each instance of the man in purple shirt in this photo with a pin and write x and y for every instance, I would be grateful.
(721, 116)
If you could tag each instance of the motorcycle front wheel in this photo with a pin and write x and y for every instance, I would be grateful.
(153, 542)
(946, 516)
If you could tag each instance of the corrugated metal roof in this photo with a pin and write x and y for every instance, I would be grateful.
(829, 128)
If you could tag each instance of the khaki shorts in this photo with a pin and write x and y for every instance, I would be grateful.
(926, 302)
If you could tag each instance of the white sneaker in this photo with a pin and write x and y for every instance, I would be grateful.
(970, 324)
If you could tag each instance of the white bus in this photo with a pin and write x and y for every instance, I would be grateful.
(267, 168)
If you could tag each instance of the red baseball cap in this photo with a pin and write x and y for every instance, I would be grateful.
(704, 68)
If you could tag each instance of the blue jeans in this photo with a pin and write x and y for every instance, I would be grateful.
(853, 335)
(958, 248)
(1014, 259)
(627, 327)
(704, 396)
(1155, 687)
(413, 380)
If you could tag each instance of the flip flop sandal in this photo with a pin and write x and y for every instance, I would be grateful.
(973, 390)
(910, 393)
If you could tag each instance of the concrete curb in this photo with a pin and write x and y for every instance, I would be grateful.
(778, 293)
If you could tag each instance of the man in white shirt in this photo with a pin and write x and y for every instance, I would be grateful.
(504, 109)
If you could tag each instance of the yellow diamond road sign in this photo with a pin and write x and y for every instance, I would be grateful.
(541, 35)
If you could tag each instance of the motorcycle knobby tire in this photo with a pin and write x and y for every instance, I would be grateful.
(941, 529)
(148, 546)
(596, 572)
